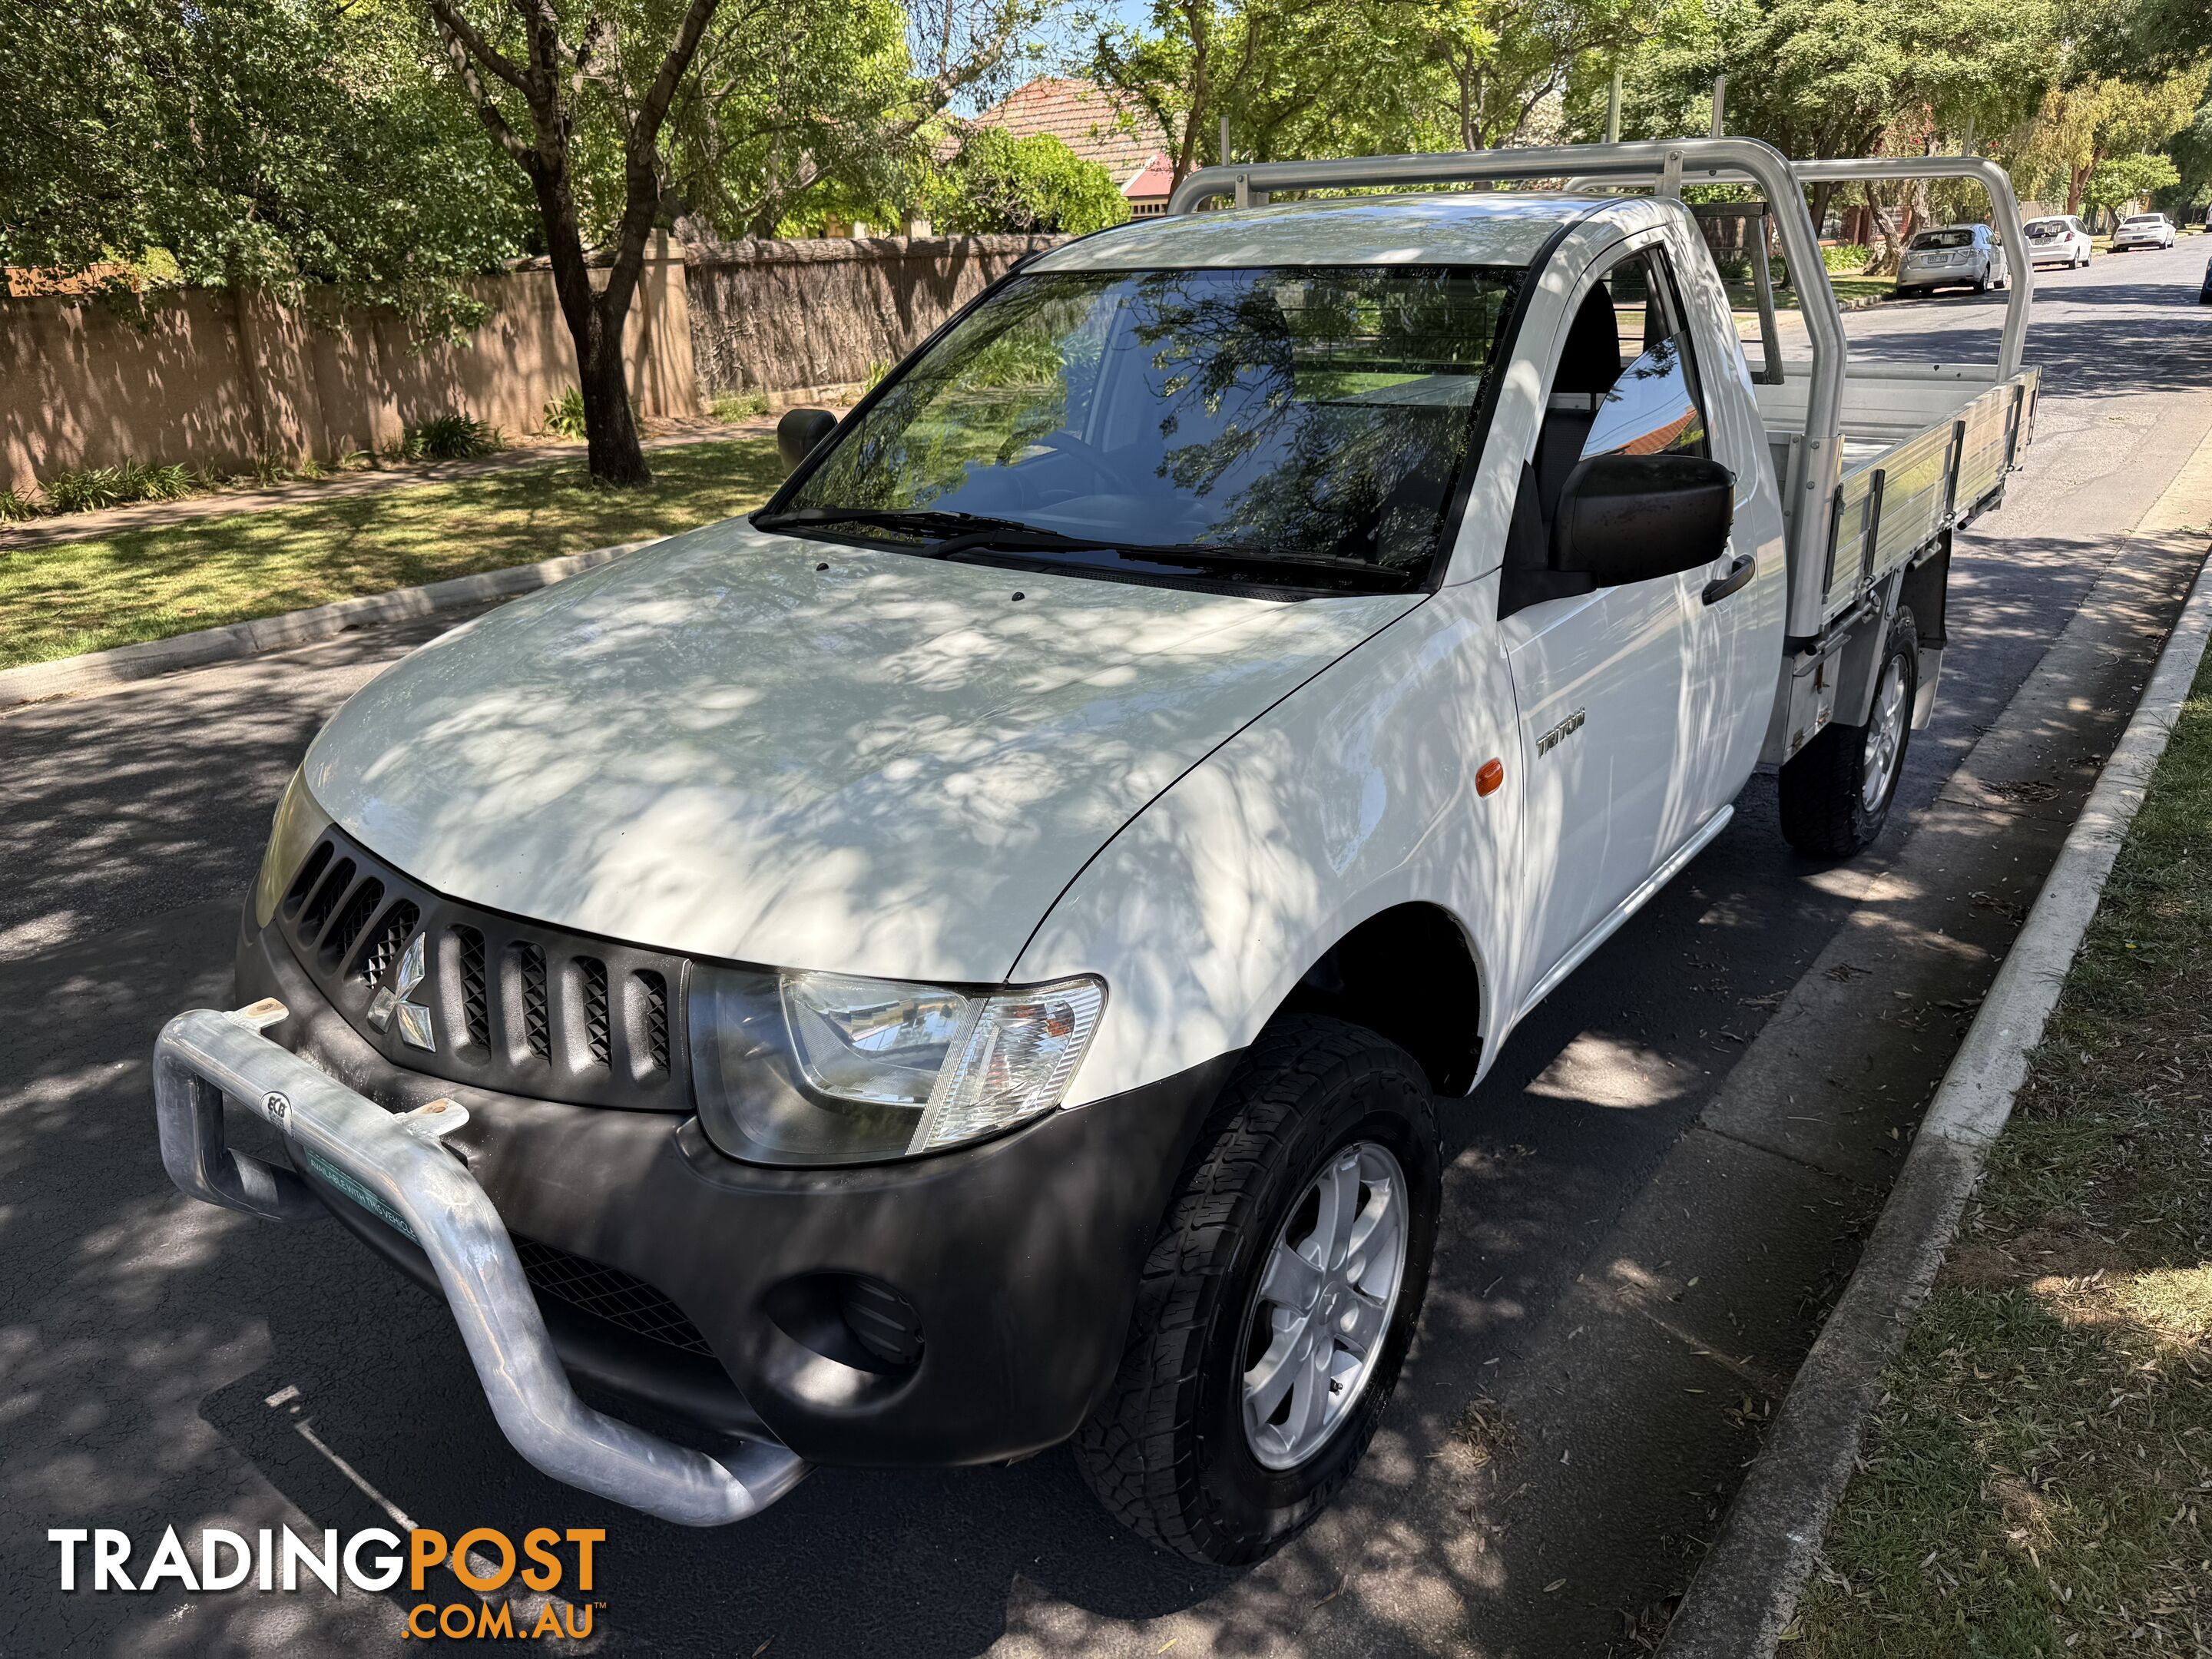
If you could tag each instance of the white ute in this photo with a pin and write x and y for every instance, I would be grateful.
(966, 959)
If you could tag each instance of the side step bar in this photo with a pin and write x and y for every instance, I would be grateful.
(394, 1165)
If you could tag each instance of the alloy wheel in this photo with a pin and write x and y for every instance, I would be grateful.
(1885, 739)
(1324, 1304)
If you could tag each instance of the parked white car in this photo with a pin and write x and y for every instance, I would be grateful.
(2143, 230)
(2060, 239)
(968, 958)
(1954, 256)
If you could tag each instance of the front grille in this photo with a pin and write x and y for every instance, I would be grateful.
(304, 883)
(592, 973)
(392, 934)
(536, 1015)
(508, 1004)
(476, 998)
(333, 889)
(610, 1293)
(352, 921)
(652, 991)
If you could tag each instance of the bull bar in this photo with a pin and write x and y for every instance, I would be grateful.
(394, 1166)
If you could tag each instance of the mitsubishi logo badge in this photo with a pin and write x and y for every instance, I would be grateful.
(414, 1028)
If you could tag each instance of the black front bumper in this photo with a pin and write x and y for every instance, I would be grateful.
(1019, 1257)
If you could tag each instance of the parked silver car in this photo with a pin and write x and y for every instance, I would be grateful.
(2143, 230)
(2060, 239)
(1955, 256)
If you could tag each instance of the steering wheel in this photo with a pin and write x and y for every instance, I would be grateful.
(1077, 449)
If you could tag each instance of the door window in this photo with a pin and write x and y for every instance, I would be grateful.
(1654, 407)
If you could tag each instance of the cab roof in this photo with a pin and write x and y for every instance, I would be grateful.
(1477, 227)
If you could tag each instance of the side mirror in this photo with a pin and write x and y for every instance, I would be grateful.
(1633, 518)
(799, 431)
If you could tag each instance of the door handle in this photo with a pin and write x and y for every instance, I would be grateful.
(1739, 573)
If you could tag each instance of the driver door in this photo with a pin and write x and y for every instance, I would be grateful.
(1602, 679)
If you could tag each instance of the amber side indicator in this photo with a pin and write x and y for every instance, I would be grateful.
(1488, 776)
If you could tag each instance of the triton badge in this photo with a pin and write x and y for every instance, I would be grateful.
(415, 1027)
(1560, 733)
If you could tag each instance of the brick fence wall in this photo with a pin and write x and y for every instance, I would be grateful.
(218, 377)
(768, 315)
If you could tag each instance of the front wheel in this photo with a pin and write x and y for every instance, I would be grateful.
(1835, 791)
(1278, 1299)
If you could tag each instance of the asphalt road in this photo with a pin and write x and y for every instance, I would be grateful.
(1636, 1250)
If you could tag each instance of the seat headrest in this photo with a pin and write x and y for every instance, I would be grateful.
(1591, 362)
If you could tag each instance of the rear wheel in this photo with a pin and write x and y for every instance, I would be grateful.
(1835, 791)
(1278, 1299)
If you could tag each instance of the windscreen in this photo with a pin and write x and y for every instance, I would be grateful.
(1320, 414)
(2143, 219)
(2043, 230)
(1943, 238)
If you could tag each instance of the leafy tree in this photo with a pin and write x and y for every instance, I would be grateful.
(816, 97)
(2191, 149)
(1504, 59)
(262, 141)
(2124, 179)
(2146, 40)
(833, 104)
(2077, 125)
(571, 96)
(1267, 64)
(1031, 187)
(1819, 78)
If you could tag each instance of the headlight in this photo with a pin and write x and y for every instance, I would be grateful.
(299, 824)
(826, 1068)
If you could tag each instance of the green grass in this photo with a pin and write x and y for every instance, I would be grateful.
(1744, 300)
(2038, 1479)
(118, 589)
(1861, 288)
(735, 405)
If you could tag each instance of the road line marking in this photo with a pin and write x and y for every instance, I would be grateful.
(399, 1517)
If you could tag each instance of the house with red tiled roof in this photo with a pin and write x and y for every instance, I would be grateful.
(1099, 126)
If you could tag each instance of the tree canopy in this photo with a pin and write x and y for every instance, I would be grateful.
(263, 140)
(1028, 186)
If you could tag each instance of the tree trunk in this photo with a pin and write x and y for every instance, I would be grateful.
(611, 446)
(595, 323)
(595, 318)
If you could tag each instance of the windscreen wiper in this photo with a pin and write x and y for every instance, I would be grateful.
(924, 521)
(1222, 558)
(976, 532)
(1243, 556)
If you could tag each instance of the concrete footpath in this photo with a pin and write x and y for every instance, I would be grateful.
(1745, 1593)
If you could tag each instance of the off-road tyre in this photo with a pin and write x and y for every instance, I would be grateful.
(1166, 1450)
(1825, 811)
